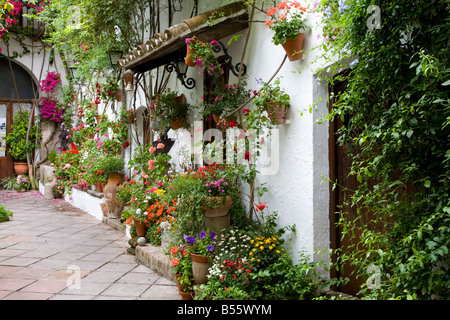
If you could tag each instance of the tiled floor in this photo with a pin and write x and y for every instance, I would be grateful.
(51, 250)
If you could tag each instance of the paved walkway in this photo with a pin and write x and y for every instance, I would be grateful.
(51, 250)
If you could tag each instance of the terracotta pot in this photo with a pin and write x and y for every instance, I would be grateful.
(141, 228)
(293, 46)
(21, 168)
(221, 209)
(200, 268)
(119, 95)
(186, 295)
(177, 124)
(110, 192)
(188, 60)
(277, 112)
(99, 186)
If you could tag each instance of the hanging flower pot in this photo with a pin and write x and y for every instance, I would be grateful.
(276, 112)
(293, 47)
(177, 123)
(190, 51)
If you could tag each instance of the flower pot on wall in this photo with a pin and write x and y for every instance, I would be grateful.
(177, 124)
(277, 112)
(189, 61)
(21, 168)
(293, 47)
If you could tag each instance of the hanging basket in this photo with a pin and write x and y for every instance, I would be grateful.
(293, 47)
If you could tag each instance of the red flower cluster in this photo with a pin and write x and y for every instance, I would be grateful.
(236, 270)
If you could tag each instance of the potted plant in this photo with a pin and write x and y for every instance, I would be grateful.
(201, 54)
(112, 166)
(286, 19)
(200, 248)
(17, 141)
(223, 100)
(271, 104)
(181, 264)
(171, 111)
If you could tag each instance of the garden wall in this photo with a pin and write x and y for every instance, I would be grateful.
(296, 190)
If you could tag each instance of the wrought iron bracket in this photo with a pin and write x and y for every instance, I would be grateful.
(229, 60)
(189, 83)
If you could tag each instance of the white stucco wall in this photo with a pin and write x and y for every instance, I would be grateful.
(297, 191)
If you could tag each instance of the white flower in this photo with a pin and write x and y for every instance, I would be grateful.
(138, 211)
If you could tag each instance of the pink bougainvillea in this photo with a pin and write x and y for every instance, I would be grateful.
(50, 82)
(51, 110)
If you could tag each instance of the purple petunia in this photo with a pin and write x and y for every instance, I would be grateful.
(210, 248)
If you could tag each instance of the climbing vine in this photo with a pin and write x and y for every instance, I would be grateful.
(396, 112)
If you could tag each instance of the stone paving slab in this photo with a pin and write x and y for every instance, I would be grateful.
(48, 244)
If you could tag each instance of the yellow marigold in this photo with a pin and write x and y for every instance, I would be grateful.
(261, 248)
(278, 251)
(250, 254)
(252, 241)
(268, 240)
(270, 247)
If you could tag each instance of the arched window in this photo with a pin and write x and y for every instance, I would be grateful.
(26, 86)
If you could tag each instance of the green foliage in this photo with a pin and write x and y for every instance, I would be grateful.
(169, 107)
(17, 138)
(111, 164)
(9, 183)
(5, 213)
(396, 110)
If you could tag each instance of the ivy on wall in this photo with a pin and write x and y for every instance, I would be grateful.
(398, 129)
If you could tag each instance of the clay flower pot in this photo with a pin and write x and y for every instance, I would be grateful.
(293, 47)
(216, 210)
(141, 228)
(277, 112)
(200, 268)
(189, 51)
(110, 192)
(21, 168)
(177, 124)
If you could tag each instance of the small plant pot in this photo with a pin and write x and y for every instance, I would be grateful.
(293, 47)
(141, 228)
(200, 268)
(186, 295)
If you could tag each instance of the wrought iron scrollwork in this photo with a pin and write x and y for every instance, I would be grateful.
(189, 83)
(235, 69)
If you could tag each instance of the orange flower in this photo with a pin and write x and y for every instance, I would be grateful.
(272, 11)
(269, 22)
(261, 207)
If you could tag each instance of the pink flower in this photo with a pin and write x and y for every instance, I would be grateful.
(160, 145)
(152, 149)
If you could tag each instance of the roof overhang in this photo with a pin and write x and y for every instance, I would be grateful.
(169, 45)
